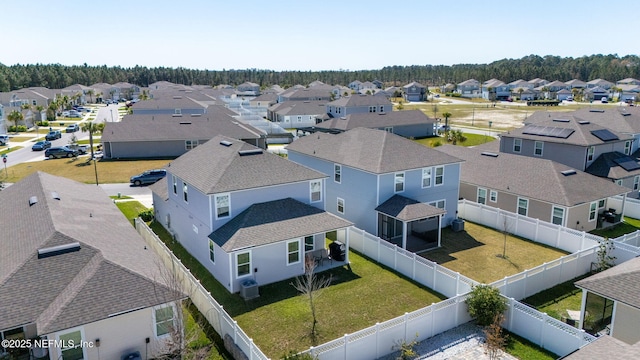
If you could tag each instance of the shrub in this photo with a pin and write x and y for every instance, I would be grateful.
(19, 128)
(42, 123)
(485, 302)
(146, 215)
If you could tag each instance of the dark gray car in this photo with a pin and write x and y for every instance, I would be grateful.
(148, 177)
(60, 152)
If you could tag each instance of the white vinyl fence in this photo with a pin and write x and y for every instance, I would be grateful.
(631, 206)
(222, 322)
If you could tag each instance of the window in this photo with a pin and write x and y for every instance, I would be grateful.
(593, 209)
(635, 182)
(299, 118)
(601, 204)
(316, 190)
(308, 243)
(493, 196)
(185, 192)
(590, 152)
(439, 204)
(175, 184)
(381, 108)
(164, 320)
(482, 196)
(537, 148)
(557, 217)
(619, 182)
(222, 206)
(75, 352)
(243, 260)
(178, 111)
(190, 144)
(439, 175)
(389, 129)
(517, 145)
(34, 103)
(399, 182)
(212, 255)
(426, 177)
(341, 206)
(523, 206)
(337, 171)
(293, 252)
(372, 109)
(627, 147)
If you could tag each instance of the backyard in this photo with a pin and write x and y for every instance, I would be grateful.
(477, 253)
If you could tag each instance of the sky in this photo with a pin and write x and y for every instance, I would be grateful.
(310, 35)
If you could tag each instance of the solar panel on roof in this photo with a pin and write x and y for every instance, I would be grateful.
(627, 163)
(604, 135)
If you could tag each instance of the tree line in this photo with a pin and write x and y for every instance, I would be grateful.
(586, 68)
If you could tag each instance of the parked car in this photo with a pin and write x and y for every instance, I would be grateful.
(60, 152)
(4, 139)
(74, 114)
(81, 149)
(72, 128)
(604, 100)
(52, 135)
(41, 145)
(148, 177)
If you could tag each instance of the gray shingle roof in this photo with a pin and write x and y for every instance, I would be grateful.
(274, 221)
(289, 108)
(405, 209)
(361, 100)
(375, 151)
(620, 283)
(605, 166)
(606, 347)
(214, 168)
(79, 213)
(177, 102)
(530, 177)
(377, 120)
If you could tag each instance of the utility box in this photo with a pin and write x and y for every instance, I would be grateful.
(249, 289)
(457, 225)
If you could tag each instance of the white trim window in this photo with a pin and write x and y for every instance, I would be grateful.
(557, 216)
(426, 177)
(593, 211)
(636, 181)
(223, 208)
(177, 111)
(185, 192)
(163, 317)
(590, 152)
(293, 252)
(601, 203)
(517, 145)
(619, 182)
(627, 147)
(482, 196)
(190, 144)
(523, 206)
(175, 184)
(212, 254)
(72, 352)
(309, 243)
(440, 204)
(538, 148)
(243, 264)
(493, 196)
(439, 175)
(398, 182)
(337, 173)
(315, 189)
(340, 205)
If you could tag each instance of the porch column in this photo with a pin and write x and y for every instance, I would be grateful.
(624, 200)
(439, 229)
(346, 244)
(583, 308)
(404, 235)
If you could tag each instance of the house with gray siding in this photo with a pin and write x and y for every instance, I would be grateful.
(296, 114)
(248, 89)
(178, 105)
(407, 123)
(385, 184)
(316, 93)
(469, 88)
(601, 83)
(415, 91)
(246, 214)
(575, 84)
(358, 104)
(495, 89)
(534, 187)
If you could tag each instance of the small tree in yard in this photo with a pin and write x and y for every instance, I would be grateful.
(310, 285)
(605, 259)
(406, 349)
(496, 340)
(484, 303)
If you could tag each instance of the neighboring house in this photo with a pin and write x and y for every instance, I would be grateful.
(248, 89)
(537, 82)
(628, 92)
(73, 268)
(525, 93)
(600, 83)
(606, 347)
(355, 85)
(379, 84)
(565, 138)
(178, 105)
(358, 104)
(3, 121)
(495, 89)
(520, 84)
(315, 93)
(625, 120)
(407, 123)
(596, 93)
(576, 84)
(35, 96)
(244, 213)
(386, 185)
(447, 88)
(623, 169)
(628, 81)
(469, 88)
(556, 86)
(415, 92)
(533, 187)
(261, 104)
(296, 114)
(169, 136)
(563, 94)
(611, 303)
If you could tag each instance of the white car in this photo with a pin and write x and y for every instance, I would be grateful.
(4, 139)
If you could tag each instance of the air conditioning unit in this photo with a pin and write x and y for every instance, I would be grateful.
(249, 289)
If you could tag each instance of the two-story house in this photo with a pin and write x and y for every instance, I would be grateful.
(469, 88)
(244, 213)
(248, 89)
(358, 104)
(385, 184)
(316, 93)
(407, 123)
(296, 114)
(575, 84)
(600, 83)
(415, 91)
(495, 89)
(178, 105)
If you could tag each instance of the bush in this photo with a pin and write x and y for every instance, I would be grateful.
(146, 215)
(19, 128)
(485, 302)
(42, 123)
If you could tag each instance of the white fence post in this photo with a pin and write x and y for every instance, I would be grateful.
(346, 345)
(511, 313)
(406, 325)
(377, 340)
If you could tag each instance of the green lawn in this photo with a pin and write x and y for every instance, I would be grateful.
(524, 349)
(279, 320)
(628, 226)
(130, 209)
(202, 341)
(477, 251)
(472, 140)
(557, 300)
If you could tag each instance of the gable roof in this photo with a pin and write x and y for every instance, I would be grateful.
(228, 170)
(576, 83)
(376, 120)
(416, 84)
(375, 151)
(274, 221)
(606, 166)
(619, 283)
(606, 347)
(406, 209)
(360, 100)
(110, 271)
(299, 107)
(175, 102)
(530, 177)
(470, 82)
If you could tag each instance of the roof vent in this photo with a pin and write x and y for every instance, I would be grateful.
(57, 250)
(584, 122)
(596, 110)
(55, 195)
(568, 172)
(177, 97)
(562, 120)
(225, 143)
(176, 115)
(382, 113)
(625, 114)
(33, 200)
(250, 152)
(185, 122)
(491, 154)
(196, 115)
